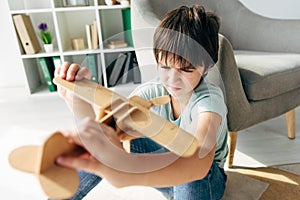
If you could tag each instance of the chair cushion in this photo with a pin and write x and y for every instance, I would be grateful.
(265, 75)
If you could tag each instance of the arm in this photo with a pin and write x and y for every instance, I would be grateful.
(156, 170)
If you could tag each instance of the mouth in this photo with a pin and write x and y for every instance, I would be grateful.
(173, 88)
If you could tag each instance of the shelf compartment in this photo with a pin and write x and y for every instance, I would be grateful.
(34, 73)
(90, 60)
(72, 25)
(122, 29)
(109, 32)
(36, 19)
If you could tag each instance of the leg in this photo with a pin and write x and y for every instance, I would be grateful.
(290, 123)
(210, 187)
(232, 145)
(145, 145)
(87, 183)
(168, 192)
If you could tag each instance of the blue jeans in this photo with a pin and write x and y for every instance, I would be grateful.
(209, 188)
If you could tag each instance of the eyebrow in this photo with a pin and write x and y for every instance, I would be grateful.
(189, 67)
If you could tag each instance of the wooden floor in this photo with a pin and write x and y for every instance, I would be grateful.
(282, 184)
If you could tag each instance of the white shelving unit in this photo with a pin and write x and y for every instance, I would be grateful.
(66, 23)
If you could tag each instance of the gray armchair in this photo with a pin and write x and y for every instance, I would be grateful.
(259, 60)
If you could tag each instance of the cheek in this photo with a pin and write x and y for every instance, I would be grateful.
(163, 75)
(192, 80)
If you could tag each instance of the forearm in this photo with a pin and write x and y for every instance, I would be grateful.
(180, 171)
(80, 108)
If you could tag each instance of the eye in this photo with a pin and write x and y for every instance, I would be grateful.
(188, 69)
(163, 66)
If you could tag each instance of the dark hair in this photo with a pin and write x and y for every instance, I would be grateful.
(189, 35)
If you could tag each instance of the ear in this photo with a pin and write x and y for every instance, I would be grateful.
(205, 70)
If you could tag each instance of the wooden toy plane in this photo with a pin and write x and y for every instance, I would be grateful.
(131, 118)
(133, 114)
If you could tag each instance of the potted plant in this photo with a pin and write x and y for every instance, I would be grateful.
(46, 37)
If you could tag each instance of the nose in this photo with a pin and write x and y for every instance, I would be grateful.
(174, 75)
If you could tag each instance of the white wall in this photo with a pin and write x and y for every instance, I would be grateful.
(11, 71)
(287, 9)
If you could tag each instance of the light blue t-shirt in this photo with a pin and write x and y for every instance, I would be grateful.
(205, 98)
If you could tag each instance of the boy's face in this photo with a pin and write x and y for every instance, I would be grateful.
(179, 80)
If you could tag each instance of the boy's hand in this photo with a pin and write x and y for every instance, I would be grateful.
(74, 72)
(99, 143)
(71, 72)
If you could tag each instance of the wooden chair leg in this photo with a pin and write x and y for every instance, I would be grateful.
(232, 145)
(290, 123)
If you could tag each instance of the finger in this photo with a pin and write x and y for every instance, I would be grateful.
(56, 72)
(104, 129)
(73, 136)
(88, 164)
(91, 123)
(83, 73)
(63, 70)
(72, 71)
(102, 133)
(61, 91)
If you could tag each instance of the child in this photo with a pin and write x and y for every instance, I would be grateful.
(185, 47)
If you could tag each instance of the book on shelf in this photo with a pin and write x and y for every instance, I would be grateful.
(56, 61)
(88, 35)
(131, 70)
(22, 50)
(94, 35)
(123, 69)
(99, 69)
(47, 67)
(136, 71)
(127, 26)
(115, 69)
(126, 70)
(26, 33)
(113, 44)
(92, 66)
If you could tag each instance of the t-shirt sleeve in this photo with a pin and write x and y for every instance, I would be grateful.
(149, 90)
(211, 102)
